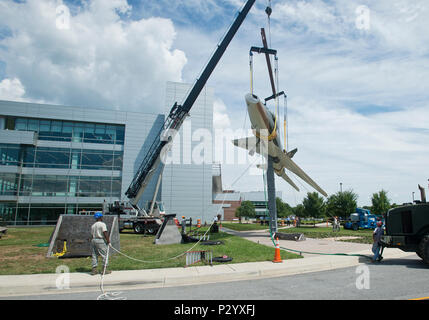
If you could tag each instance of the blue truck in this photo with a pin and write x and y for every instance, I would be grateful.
(361, 219)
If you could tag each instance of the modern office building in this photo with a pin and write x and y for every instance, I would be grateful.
(187, 179)
(61, 160)
(259, 200)
(228, 201)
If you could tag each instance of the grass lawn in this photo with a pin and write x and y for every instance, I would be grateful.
(20, 255)
(244, 226)
(324, 232)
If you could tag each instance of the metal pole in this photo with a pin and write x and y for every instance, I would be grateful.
(271, 189)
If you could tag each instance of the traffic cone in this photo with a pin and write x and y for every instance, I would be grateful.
(277, 257)
(199, 223)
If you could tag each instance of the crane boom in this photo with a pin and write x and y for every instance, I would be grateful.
(178, 113)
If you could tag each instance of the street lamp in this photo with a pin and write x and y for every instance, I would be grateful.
(413, 196)
(341, 186)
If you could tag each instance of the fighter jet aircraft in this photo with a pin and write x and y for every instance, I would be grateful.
(266, 141)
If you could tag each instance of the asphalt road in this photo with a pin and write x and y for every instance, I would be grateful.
(406, 278)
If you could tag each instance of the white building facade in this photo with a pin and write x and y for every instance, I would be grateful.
(62, 159)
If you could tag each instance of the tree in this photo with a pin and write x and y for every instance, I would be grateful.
(247, 209)
(314, 205)
(394, 205)
(283, 209)
(380, 202)
(298, 210)
(341, 204)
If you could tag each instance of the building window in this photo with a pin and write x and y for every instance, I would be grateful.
(21, 124)
(8, 184)
(62, 158)
(7, 211)
(97, 159)
(52, 158)
(9, 155)
(57, 130)
(98, 187)
(66, 186)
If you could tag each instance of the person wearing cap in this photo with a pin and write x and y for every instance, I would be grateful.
(376, 237)
(99, 242)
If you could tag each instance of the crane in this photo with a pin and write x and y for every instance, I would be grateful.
(176, 117)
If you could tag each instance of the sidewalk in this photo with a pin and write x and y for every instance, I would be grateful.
(155, 278)
(329, 246)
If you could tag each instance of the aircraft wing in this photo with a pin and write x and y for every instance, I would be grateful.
(293, 167)
(288, 180)
(282, 174)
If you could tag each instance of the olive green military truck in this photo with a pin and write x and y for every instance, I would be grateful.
(407, 228)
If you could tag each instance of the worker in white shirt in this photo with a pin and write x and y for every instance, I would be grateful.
(99, 243)
(376, 236)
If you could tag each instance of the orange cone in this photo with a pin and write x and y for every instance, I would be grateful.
(277, 257)
(199, 223)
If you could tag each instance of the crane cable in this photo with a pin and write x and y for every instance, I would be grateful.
(251, 71)
(285, 124)
(273, 134)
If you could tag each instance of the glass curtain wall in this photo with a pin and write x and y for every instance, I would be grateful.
(39, 213)
(69, 186)
(56, 130)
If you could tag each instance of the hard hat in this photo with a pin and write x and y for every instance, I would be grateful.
(379, 223)
(98, 215)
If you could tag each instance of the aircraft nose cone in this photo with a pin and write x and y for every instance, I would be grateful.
(252, 101)
(251, 98)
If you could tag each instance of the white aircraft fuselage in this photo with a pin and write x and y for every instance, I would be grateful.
(263, 121)
(266, 141)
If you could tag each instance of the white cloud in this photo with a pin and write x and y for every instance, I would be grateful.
(329, 68)
(315, 16)
(12, 89)
(220, 116)
(100, 60)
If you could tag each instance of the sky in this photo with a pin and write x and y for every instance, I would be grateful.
(356, 74)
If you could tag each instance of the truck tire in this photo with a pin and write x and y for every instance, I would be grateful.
(138, 228)
(152, 228)
(423, 250)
